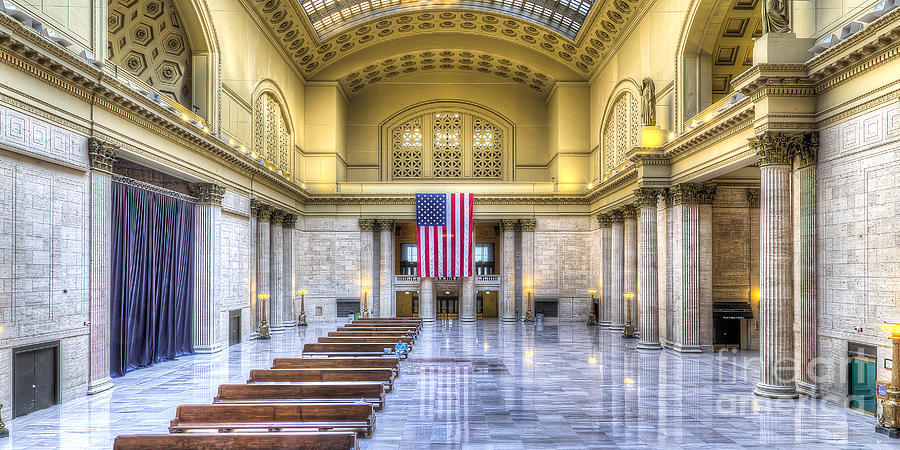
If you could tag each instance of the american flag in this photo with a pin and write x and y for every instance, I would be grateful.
(444, 237)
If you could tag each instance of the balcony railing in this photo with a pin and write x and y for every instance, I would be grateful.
(480, 280)
(406, 280)
(487, 280)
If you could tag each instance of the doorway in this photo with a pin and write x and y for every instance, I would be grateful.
(407, 303)
(861, 378)
(234, 327)
(35, 378)
(487, 304)
(728, 320)
(448, 305)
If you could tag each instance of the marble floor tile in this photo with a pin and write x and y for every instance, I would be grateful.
(486, 385)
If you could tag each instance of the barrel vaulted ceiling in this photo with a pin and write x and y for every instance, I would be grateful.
(533, 42)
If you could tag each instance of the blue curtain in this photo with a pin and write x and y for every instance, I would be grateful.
(152, 278)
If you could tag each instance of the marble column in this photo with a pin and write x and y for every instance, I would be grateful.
(605, 270)
(664, 269)
(207, 245)
(630, 270)
(685, 237)
(386, 255)
(102, 158)
(276, 273)
(648, 290)
(527, 226)
(508, 271)
(426, 299)
(366, 257)
(805, 279)
(289, 317)
(253, 275)
(467, 312)
(776, 352)
(617, 268)
(263, 244)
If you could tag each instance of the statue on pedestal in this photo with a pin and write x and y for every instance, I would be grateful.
(648, 103)
(775, 16)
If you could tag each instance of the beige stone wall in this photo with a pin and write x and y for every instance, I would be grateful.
(563, 266)
(44, 262)
(731, 245)
(858, 203)
(327, 262)
(234, 265)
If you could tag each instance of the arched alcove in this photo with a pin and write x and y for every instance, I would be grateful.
(620, 129)
(272, 125)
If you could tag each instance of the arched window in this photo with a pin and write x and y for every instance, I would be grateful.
(448, 143)
(271, 134)
(621, 132)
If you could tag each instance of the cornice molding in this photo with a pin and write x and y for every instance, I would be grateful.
(480, 199)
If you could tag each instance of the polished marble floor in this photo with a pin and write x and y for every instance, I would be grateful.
(494, 386)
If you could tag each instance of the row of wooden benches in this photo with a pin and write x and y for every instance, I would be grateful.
(326, 399)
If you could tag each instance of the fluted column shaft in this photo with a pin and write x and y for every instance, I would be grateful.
(263, 244)
(508, 269)
(276, 273)
(776, 352)
(467, 311)
(426, 299)
(207, 218)
(648, 291)
(630, 266)
(102, 158)
(805, 277)
(386, 266)
(289, 317)
(617, 277)
(366, 256)
(606, 298)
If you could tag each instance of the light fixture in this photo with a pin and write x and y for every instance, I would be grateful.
(628, 332)
(889, 421)
(301, 319)
(592, 360)
(263, 323)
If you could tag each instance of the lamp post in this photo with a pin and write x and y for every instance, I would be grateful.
(889, 422)
(629, 327)
(263, 323)
(365, 303)
(592, 316)
(529, 314)
(301, 321)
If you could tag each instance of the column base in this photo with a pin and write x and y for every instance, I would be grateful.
(775, 391)
(277, 329)
(467, 319)
(809, 389)
(206, 349)
(428, 319)
(509, 320)
(101, 385)
(685, 348)
(617, 327)
(648, 345)
(893, 433)
(604, 324)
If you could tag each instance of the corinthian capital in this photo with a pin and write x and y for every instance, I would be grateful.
(102, 154)
(208, 193)
(366, 224)
(508, 224)
(528, 224)
(778, 147)
(385, 224)
(644, 197)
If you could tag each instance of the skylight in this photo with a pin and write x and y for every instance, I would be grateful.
(562, 16)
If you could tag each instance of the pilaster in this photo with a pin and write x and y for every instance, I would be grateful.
(605, 270)
(467, 312)
(617, 275)
(289, 318)
(426, 299)
(386, 252)
(102, 157)
(805, 280)
(207, 278)
(647, 255)
(366, 254)
(276, 272)
(630, 265)
(776, 352)
(263, 258)
(508, 271)
(527, 227)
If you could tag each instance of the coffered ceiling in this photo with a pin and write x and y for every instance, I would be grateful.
(332, 40)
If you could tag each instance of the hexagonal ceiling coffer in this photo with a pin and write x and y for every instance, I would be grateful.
(135, 63)
(169, 72)
(141, 34)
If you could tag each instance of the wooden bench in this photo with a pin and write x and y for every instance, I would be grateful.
(385, 376)
(331, 392)
(367, 349)
(251, 441)
(355, 417)
(366, 327)
(337, 363)
(364, 340)
(384, 323)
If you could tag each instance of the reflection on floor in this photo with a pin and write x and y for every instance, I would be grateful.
(491, 385)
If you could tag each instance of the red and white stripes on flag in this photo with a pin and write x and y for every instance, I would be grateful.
(444, 235)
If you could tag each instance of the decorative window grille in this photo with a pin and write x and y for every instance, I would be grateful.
(621, 132)
(487, 147)
(406, 141)
(447, 145)
(271, 137)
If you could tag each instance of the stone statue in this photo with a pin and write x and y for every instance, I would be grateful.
(648, 103)
(775, 16)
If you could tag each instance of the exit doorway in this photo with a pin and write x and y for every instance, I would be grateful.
(486, 304)
(448, 305)
(862, 377)
(35, 378)
(407, 303)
